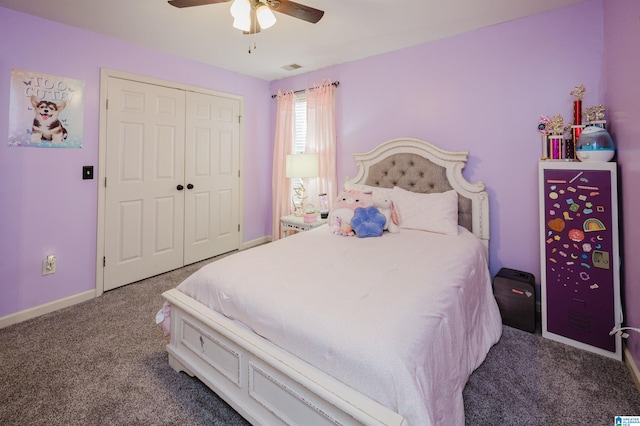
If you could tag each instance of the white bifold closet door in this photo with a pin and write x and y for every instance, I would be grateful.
(172, 179)
(212, 205)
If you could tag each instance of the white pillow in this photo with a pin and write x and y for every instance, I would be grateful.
(436, 212)
(348, 185)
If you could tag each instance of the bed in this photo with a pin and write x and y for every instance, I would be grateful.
(371, 331)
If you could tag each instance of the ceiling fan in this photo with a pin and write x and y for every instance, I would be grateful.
(252, 21)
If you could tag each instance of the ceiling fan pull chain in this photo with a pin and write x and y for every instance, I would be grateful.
(254, 25)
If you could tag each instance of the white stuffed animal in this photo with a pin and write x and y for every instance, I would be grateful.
(384, 203)
(340, 222)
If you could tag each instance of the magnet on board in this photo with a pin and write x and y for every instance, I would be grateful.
(593, 224)
(593, 188)
(600, 259)
(576, 235)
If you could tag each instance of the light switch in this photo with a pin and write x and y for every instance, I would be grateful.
(87, 172)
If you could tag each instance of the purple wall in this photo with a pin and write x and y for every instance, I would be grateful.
(45, 206)
(482, 91)
(622, 67)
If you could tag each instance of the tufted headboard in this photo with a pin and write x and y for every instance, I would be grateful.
(419, 166)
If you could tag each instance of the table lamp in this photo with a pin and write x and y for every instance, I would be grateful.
(301, 166)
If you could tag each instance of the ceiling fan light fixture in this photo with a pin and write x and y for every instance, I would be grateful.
(242, 22)
(240, 8)
(266, 18)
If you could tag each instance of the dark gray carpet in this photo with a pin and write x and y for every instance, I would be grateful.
(529, 380)
(103, 362)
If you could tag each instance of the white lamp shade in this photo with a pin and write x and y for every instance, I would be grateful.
(266, 18)
(302, 165)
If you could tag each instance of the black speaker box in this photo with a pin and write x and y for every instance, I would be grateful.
(515, 292)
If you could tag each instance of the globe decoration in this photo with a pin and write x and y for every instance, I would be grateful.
(595, 144)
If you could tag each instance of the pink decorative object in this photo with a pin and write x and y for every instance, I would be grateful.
(310, 217)
(344, 206)
(543, 125)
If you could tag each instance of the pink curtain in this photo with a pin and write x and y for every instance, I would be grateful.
(283, 146)
(321, 140)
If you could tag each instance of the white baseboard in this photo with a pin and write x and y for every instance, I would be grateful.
(633, 367)
(46, 308)
(256, 242)
(83, 297)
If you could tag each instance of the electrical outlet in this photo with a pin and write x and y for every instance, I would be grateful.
(49, 265)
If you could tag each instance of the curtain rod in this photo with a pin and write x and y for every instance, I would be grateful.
(335, 83)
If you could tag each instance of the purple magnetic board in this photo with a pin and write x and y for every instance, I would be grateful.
(579, 255)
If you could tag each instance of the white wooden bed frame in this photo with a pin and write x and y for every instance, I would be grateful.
(269, 386)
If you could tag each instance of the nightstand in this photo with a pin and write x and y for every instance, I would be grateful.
(295, 223)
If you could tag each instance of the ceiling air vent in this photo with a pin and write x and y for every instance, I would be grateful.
(292, 67)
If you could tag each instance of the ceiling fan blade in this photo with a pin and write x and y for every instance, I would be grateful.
(297, 10)
(190, 3)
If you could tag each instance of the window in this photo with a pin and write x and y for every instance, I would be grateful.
(303, 124)
(300, 113)
(300, 129)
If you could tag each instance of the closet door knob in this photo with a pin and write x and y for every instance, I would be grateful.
(189, 186)
(179, 187)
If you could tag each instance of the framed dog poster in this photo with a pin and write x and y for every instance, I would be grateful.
(45, 111)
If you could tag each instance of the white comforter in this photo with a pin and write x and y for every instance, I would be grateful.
(404, 318)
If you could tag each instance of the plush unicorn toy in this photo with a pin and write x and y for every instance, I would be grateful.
(385, 205)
